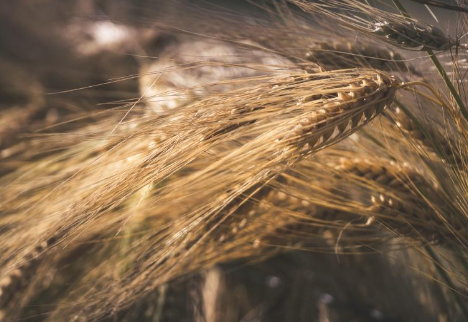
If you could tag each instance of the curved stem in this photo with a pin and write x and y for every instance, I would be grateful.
(447, 82)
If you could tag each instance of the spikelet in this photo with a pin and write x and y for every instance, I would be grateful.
(345, 54)
(343, 110)
(21, 105)
(413, 35)
(297, 223)
(17, 280)
(410, 205)
(428, 140)
(394, 29)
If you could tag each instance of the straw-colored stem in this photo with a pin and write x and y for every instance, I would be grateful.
(448, 82)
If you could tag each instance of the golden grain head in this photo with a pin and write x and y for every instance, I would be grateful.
(343, 105)
(414, 36)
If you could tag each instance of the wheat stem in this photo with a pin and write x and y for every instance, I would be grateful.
(448, 82)
(401, 8)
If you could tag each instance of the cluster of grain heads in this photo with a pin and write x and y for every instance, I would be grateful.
(226, 167)
(236, 142)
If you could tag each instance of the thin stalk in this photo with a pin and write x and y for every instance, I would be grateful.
(401, 8)
(160, 303)
(448, 82)
(439, 67)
